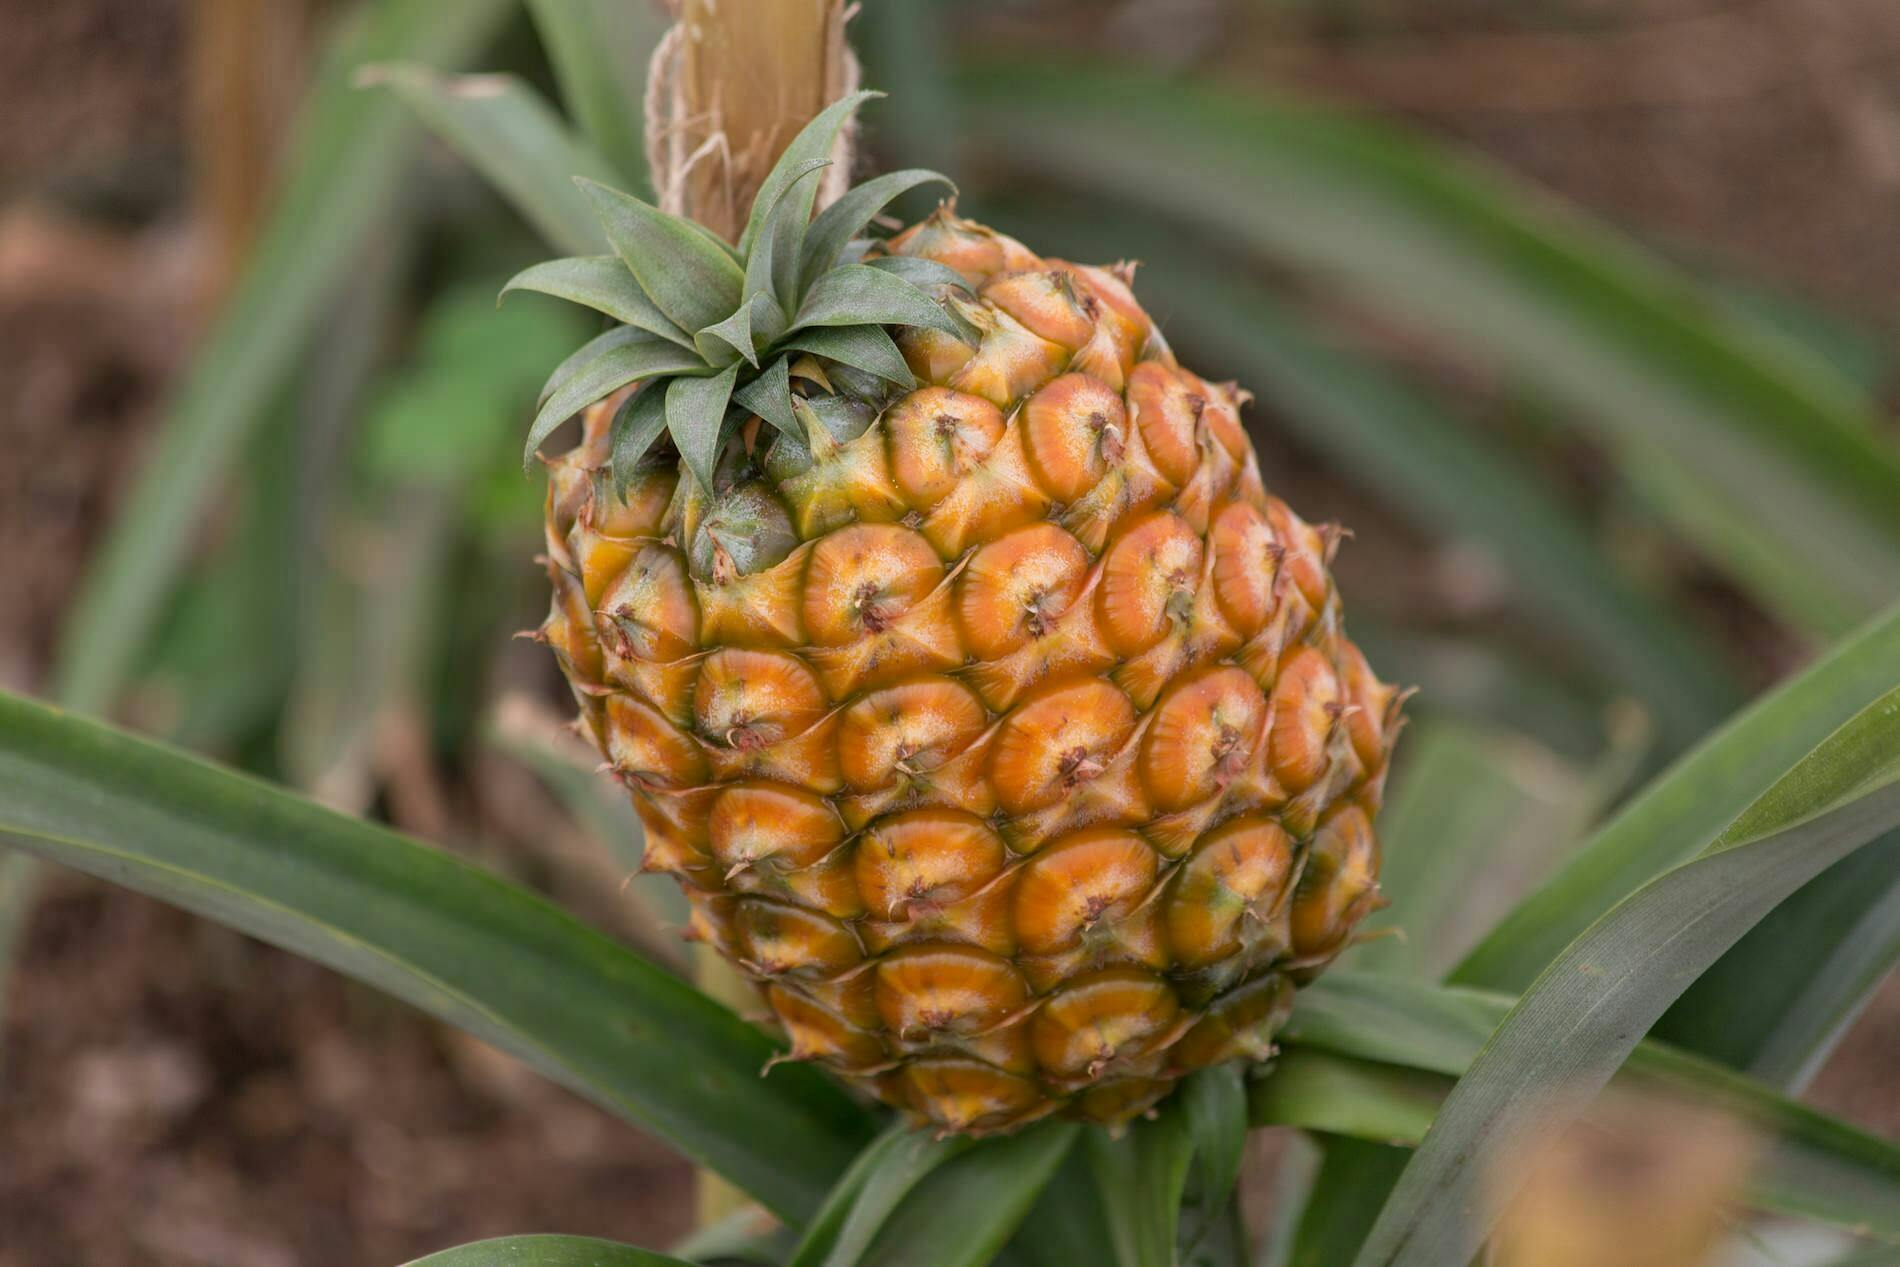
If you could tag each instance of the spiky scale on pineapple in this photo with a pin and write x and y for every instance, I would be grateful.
(1000, 724)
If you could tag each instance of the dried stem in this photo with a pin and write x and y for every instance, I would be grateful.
(732, 84)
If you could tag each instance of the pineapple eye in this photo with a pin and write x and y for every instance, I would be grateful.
(1014, 590)
(746, 531)
(1074, 430)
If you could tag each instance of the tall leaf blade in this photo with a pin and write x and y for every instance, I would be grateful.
(868, 348)
(1142, 1177)
(1353, 1180)
(857, 295)
(965, 1210)
(812, 145)
(434, 931)
(683, 271)
(599, 51)
(1214, 1108)
(547, 1251)
(352, 152)
(1776, 1004)
(515, 139)
(603, 283)
(846, 218)
(1581, 1019)
(877, 1183)
(1686, 805)
(695, 418)
(601, 377)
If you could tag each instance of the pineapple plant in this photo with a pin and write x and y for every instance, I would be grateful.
(997, 721)
(1002, 729)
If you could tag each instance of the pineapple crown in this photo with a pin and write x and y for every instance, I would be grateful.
(709, 330)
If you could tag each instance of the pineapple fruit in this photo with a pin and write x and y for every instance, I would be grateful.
(997, 721)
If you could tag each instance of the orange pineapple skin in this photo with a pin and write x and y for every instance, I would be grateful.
(1012, 745)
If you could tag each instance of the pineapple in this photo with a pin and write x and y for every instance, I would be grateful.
(997, 721)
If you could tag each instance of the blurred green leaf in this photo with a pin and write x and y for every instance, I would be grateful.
(1397, 1036)
(434, 426)
(1068, 1224)
(1214, 1108)
(1671, 819)
(1338, 1095)
(503, 129)
(344, 174)
(445, 414)
(599, 50)
(1381, 432)
(547, 1251)
(1633, 349)
(1729, 533)
(434, 931)
(351, 156)
(1475, 817)
(1475, 675)
(1584, 1015)
(1775, 1005)
(964, 1211)
(746, 1236)
(1354, 1178)
(1142, 1177)
(877, 1183)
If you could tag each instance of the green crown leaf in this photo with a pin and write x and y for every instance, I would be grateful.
(702, 326)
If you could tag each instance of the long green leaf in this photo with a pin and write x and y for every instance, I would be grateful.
(599, 51)
(1368, 1052)
(694, 281)
(857, 295)
(1354, 1178)
(812, 145)
(1068, 1223)
(606, 374)
(1581, 1019)
(603, 283)
(1686, 805)
(964, 1211)
(1214, 1107)
(517, 142)
(1338, 1095)
(586, 353)
(1728, 532)
(877, 1183)
(1401, 443)
(1142, 1177)
(1632, 349)
(547, 1251)
(846, 218)
(695, 418)
(443, 935)
(1474, 817)
(352, 153)
(867, 348)
(1775, 1005)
